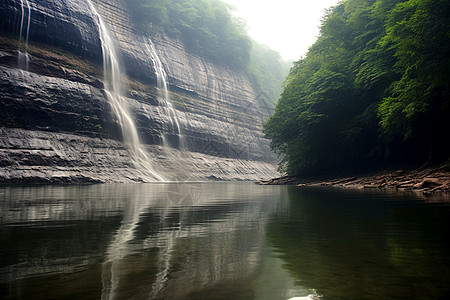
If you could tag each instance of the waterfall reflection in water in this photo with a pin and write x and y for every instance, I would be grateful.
(229, 241)
(149, 244)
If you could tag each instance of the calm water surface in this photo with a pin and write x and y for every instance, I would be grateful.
(221, 241)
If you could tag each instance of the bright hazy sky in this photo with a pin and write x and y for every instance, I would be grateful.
(287, 26)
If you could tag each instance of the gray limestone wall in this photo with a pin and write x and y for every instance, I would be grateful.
(60, 100)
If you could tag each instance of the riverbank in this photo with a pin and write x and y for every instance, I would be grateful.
(426, 180)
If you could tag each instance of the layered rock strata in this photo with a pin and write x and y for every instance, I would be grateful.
(57, 125)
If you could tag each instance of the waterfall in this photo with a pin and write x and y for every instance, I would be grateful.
(23, 56)
(163, 90)
(161, 75)
(112, 81)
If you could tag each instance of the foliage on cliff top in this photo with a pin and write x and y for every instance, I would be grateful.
(267, 71)
(205, 27)
(373, 89)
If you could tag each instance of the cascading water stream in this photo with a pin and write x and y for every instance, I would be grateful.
(162, 85)
(23, 56)
(119, 104)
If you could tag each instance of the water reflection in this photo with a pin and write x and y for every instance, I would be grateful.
(133, 241)
(220, 241)
(354, 245)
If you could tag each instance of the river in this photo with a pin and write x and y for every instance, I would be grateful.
(221, 241)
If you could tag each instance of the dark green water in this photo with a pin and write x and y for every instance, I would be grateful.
(221, 241)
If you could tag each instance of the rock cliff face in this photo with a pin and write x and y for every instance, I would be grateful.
(58, 126)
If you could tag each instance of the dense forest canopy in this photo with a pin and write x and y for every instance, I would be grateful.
(208, 28)
(372, 90)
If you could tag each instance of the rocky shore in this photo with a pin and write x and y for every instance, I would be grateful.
(426, 180)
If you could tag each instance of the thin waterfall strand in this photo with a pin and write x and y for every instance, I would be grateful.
(23, 56)
(162, 85)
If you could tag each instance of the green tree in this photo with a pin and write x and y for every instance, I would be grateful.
(373, 88)
(416, 108)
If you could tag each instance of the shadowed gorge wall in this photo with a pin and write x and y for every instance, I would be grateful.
(58, 126)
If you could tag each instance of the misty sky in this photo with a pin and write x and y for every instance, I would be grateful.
(287, 26)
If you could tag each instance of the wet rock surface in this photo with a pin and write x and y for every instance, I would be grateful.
(63, 24)
(40, 157)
